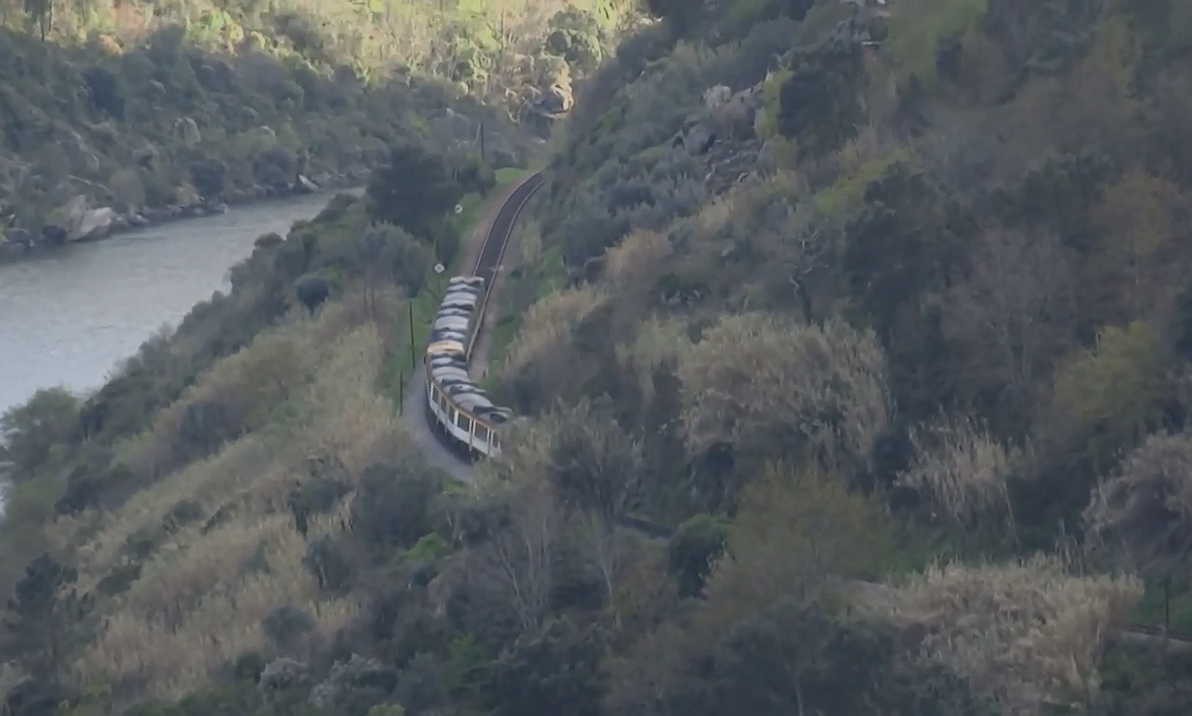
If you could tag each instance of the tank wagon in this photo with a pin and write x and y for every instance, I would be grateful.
(458, 408)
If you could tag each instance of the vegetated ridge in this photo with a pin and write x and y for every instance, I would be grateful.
(127, 113)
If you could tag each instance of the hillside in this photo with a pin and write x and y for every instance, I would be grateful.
(131, 112)
(878, 310)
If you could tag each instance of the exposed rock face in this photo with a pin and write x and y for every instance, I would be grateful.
(187, 131)
(699, 138)
(717, 96)
(305, 186)
(96, 224)
(351, 680)
(283, 674)
(735, 116)
(187, 195)
(74, 221)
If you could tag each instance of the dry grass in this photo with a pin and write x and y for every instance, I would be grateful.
(962, 469)
(203, 593)
(246, 386)
(211, 483)
(195, 611)
(200, 603)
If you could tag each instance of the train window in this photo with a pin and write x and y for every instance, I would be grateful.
(462, 421)
(481, 433)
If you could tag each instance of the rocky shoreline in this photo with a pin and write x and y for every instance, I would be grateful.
(77, 223)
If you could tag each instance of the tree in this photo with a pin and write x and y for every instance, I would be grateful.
(1143, 514)
(795, 535)
(767, 388)
(312, 291)
(770, 636)
(1108, 396)
(276, 168)
(794, 658)
(1027, 635)
(549, 670)
(593, 463)
(1009, 320)
(604, 550)
(820, 105)
(693, 551)
(30, 432)
(42, 13)
(393, 503)
(390, 252)
(286, 625)
(516, 569)
(209, 176)
(412, 190)
(684, 14)
(44, 609)
(105, 90)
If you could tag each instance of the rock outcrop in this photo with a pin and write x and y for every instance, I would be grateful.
(187, 131)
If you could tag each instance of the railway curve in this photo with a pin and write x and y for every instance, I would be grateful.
(415, 415)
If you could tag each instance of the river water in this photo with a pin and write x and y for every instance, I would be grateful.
(69, 317)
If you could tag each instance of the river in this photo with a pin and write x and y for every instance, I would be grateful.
(70, 316)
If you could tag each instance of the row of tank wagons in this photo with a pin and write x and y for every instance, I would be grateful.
(459, 406)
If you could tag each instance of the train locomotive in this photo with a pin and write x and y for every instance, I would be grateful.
(457, 407)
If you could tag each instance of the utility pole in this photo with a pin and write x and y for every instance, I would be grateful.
(413, 361)
(481, 141)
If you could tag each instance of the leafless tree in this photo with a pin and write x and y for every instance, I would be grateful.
(604, 550)
(1143, 514)
(517, 566)
(1010, 314)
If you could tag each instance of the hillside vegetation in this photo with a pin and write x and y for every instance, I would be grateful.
(853, 344)
(130, 112)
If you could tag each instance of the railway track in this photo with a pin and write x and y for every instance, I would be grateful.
(488, 262)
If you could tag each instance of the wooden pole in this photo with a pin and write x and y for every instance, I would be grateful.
(413, 361)
(1167, 605)
(401, 393)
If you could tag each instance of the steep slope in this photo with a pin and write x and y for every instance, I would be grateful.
(832, 293)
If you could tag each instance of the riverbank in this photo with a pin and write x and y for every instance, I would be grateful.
(18, 249)
(71, 315)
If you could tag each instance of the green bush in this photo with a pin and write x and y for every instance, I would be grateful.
(393, 504)
(694, 549)
(30, 433)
